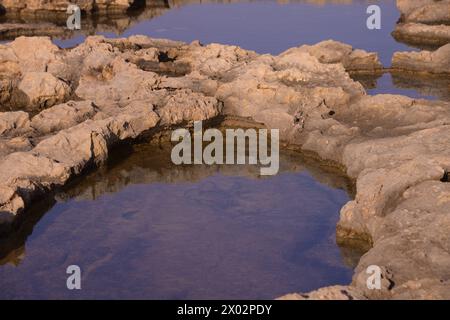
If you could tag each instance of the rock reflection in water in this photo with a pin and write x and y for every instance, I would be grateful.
(143, 228)
(263, 26)
(414, 86)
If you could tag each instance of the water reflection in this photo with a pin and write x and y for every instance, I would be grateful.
(142, 228)
(263, 26)
(403, 83)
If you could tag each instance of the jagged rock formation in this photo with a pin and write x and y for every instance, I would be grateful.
(90, 98)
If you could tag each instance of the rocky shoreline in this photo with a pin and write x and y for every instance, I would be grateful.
(423, 23)
(64, 110)
(70, 107)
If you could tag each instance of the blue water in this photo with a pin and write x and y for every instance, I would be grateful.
(272, 27)
(145, 229)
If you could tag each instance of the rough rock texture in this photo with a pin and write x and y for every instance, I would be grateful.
(41, 89)
(436, 62)
(63, 116)
(395, 148)
(13, 122)
(424, 11)
(422, 34)
(327, 293)
(33, 6)
(423, 22)
(353, 60)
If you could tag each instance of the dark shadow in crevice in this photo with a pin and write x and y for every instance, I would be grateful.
(137, 7)
(445, 177)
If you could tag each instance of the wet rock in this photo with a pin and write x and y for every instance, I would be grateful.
(436, 62)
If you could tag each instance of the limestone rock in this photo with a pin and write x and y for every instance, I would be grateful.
(355, 60)
(327, 293)
(63, 116)
(39, 90)
(14, 123)
(422, 34)
(186, 106)
(437, 62)
(424, 11)
(33, 54)
(214, 59)
(34, 6)
(120, 83)
(395, 148)
(16, 144)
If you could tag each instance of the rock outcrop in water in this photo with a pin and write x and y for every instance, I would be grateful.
(423, 22)
(434, 62)
(83, 101)
(353, 60)
(88, 6)
(48, 18)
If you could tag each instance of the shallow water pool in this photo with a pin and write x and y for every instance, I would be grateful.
(143, 228)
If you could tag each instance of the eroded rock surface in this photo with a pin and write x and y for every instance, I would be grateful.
(436, 62)
(423, 22)
(327, 293)
(34, 6)
(353, 60)
(395, 148)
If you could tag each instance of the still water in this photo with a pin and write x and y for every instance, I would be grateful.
(143, 228)
(274, 26)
